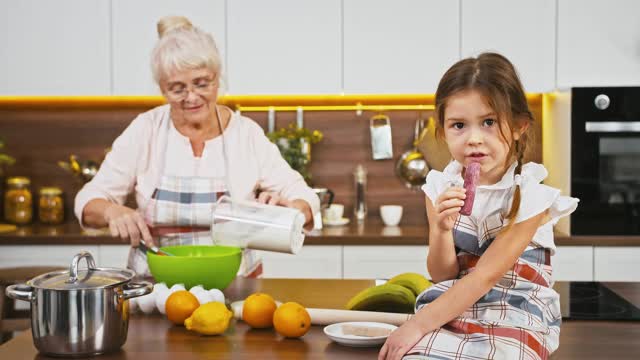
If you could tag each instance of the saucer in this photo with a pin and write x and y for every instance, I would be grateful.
(336, 333)
(339, 222)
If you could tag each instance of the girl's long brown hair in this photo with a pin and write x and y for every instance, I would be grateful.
(497, 80)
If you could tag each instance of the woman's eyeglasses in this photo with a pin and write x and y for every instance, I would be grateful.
(179, 92)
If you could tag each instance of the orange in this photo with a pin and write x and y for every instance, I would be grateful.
(180, 305)
(258, 310)
(291, 320)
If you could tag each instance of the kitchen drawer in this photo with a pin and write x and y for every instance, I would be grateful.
(312, 262)
(383, 262)
(616, 263)
(573, 263)
(42, 255)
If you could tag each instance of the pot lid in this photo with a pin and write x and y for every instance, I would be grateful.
(74, 279)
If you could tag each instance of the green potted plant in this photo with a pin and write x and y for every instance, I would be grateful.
(294, 144)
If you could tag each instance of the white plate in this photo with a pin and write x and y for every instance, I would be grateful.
(334, 332)
(339, 222)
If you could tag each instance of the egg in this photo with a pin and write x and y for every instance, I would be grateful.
(203, 297)
(177, 287)
(147, 303)
(161, 299)
(217, 295)
(196, 289)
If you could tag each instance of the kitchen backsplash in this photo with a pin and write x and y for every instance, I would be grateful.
(41, 136)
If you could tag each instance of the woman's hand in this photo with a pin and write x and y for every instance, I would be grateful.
(127, 224)
(400, 341)
(447, 208)
(273, 198)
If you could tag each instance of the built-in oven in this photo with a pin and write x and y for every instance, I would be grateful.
(605, 160)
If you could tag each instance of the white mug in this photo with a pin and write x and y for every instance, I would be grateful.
(334, 212)
(391, 214)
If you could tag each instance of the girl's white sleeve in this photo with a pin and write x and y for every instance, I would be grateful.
(536, 198)
(117, 174)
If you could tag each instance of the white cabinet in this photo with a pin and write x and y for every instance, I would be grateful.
(55, 47)
(312, 262)
(383, 262)
(598, 43)
(284, 46)
(573, 263)
(135, 35)
(523, 31)
(616, 263)
(399, 46)
(43, 255)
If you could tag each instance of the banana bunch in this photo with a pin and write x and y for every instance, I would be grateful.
(397, 295)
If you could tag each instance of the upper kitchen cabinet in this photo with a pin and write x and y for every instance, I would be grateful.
(598, 43)
(284, 47)
(54, 47)
(402, 46)
(523, 31)
(135, 35)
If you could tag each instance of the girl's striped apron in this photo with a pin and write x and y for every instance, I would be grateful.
(519, 318)
(179, 213)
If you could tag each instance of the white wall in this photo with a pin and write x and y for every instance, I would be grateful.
(102, 47)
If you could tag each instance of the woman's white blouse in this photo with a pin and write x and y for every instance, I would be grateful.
(493, 202)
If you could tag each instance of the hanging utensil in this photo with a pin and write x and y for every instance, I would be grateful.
(412, 167)
(434, 150)
(381, 144)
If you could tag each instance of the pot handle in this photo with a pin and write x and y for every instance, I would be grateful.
(132, 289)
(73, 269)
(22, 292)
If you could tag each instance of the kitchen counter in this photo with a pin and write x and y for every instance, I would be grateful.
(152, 336)
(370, 233)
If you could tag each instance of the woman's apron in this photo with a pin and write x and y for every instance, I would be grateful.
(179, 213)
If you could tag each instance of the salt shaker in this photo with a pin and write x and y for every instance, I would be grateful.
(360, 207)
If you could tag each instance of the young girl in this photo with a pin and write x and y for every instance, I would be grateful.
(493, 296)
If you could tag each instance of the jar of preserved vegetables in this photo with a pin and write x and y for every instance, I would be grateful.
(18, 205)
(51, 205)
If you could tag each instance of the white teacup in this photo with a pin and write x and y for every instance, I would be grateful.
(334, 212)
(391, 214)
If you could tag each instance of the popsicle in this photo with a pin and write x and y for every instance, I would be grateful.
(471, 177)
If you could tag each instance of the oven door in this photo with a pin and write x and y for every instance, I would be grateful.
(606, 178)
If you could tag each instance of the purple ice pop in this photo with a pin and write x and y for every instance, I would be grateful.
(471, 176)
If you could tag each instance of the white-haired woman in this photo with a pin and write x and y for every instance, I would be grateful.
(179, 158)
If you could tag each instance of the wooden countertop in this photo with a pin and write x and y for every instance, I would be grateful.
(152, 336)
(368, 233)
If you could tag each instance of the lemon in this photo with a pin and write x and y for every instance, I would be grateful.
(209, 319)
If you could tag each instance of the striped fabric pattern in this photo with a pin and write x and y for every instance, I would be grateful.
(519, 318)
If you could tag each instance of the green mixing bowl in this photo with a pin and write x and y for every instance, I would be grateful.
(191, 265)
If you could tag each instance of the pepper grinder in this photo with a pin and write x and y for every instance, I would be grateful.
(360, 207)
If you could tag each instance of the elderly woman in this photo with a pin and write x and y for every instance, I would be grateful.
(179, 158)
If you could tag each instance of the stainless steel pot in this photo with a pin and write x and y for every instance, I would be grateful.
(79, 313)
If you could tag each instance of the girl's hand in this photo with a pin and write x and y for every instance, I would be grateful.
(447, 208)
(400, 341)
(127, 224)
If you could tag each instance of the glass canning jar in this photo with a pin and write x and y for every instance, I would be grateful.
(18, 206)
(51, 205)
